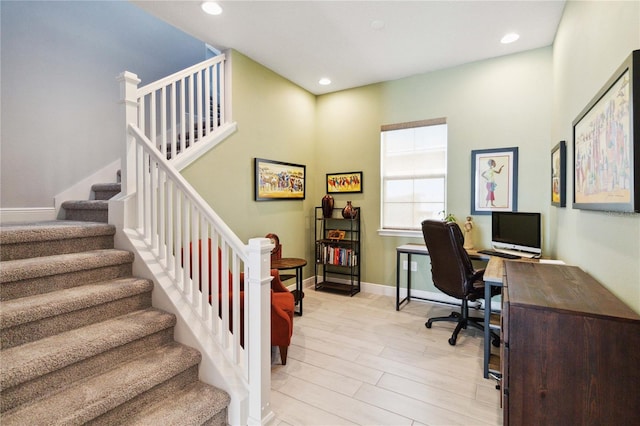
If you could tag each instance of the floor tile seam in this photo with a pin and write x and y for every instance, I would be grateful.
(429, 372)
(455, 413)
(332, 370)
(315, 406)
(454, 396)
(321, 408)
(328, 388)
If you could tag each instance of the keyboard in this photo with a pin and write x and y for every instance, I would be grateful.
(500, 254)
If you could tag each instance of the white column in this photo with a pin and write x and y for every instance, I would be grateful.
(128, 99)
(259, 283)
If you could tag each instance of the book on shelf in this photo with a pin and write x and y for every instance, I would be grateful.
(335, 255)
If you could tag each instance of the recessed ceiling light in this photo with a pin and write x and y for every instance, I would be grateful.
(211, 8)
(324, 81)
(509, 38)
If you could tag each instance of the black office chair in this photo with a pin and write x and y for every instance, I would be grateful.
(453, 274)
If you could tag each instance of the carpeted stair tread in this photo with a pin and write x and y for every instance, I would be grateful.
(106, 186)
(52, 230)
(21, 241)
(94, 396)
(87, 210)
(30, 360)
(86, 205)
(80, 341)
(40, 306)
(199, 400)
(22, 269)
(105, 191)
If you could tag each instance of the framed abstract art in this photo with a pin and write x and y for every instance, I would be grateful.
(494, 180)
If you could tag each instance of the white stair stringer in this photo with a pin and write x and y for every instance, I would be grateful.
(215, 369)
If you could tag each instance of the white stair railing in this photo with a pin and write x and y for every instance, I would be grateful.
(184, 108)
(224, 282)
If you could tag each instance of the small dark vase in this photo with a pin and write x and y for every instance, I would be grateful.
(327, 206)
(349, 212)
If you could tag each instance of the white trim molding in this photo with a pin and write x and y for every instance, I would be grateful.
(27, 214)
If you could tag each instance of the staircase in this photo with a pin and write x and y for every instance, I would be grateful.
(96, 210)
(80, 341)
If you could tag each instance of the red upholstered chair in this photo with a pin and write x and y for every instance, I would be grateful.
(282, 305)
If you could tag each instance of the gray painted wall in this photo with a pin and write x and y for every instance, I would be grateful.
(60, 112)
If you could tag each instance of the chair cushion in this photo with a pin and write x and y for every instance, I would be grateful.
(283, 301)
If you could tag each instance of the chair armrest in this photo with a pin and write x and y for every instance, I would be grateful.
(276, 282)
(281, 318)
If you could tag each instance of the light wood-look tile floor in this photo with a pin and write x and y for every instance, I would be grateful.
(358, 361)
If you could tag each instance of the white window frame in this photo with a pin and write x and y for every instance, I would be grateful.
(407, 232)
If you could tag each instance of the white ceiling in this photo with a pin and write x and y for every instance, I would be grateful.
(306, 40)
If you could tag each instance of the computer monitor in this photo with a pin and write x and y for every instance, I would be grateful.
(517, 231)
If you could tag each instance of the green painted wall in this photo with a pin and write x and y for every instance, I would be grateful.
(502, 102)
(593, 39)
(275, 121)
(526, 100)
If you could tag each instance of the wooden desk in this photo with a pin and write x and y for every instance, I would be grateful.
(420, 250)
(494, 275)
(297, 264)
(570, 349)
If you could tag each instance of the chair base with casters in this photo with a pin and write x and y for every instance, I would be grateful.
(463, 320)
(453, 274)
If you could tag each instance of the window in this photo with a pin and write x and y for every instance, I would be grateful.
(413, 160)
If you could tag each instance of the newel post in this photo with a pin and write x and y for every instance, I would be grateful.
(129, 107)
(259, 320)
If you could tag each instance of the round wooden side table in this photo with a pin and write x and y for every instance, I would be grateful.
(297, 264)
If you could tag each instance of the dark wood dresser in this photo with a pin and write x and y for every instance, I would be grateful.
(571, 349)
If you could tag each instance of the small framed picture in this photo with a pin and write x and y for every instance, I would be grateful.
(494, 180)
(275, 180)
(336, 234)
(344, 183)
(559, 175)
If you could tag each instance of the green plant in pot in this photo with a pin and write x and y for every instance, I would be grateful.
(449, 217)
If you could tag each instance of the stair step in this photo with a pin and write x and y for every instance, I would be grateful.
(105, 191)
(79, 339)
(201, 401)
(35, 317)
(23, 277)
(87, 210)
(43, 385)
(95, 396)
(21, 241)
(26, 362)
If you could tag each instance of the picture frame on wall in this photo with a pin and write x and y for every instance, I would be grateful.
(606, 149)
(344, 183)
(494, 180)
(559, 175)
(277, 180)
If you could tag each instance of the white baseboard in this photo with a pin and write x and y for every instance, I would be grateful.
(34, 214)
(420, 295)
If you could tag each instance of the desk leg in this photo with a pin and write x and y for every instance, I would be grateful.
(398, 266)
(397, 281)
(408, 277)
(487, 328)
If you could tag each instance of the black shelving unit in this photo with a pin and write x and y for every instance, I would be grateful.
(337, 252)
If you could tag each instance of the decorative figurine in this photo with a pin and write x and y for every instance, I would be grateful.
(468, 237)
